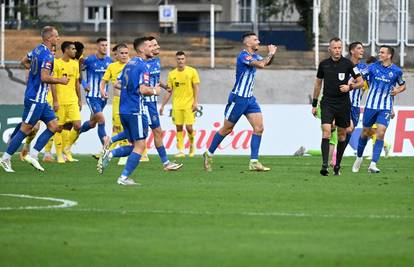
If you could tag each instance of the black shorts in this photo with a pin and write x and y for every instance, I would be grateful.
(339, 112)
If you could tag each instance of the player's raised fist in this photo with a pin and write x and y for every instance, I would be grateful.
(272, 49)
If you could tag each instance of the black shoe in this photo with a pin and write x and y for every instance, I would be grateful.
(336, 170)
(324, 171)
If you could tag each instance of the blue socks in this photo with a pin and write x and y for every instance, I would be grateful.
(377, 150)
(122, 151)
(43, 139)
(18, 126)
(254, 146)
(101, 131)
(215, 143)
(131, 164)
(85, 127)
(119, 137)
(361, 145)
(15, 142)
(163, 154)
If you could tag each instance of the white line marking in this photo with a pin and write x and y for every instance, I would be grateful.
(253, 214)
(64, 203)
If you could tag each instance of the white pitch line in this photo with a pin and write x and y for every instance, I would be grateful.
(252, 214)
(64, 203)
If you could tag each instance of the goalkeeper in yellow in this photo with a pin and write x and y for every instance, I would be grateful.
(184, 82)
(111, 74)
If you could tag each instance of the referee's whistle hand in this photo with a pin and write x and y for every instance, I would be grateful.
(344, 88)
(314, 111)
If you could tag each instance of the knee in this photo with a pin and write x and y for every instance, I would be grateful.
(258, 129)
(225, 131)
(77, 126)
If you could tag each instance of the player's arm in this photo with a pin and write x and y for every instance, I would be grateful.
(261, 64)
(47, 78)
(166, 97)
(358, 81)
(105, 79)
(25, 61)
(78, 93)
(54, 97)
(316, 92)
(196, 89)
(401, 86)
(165, 86)
(148, 90)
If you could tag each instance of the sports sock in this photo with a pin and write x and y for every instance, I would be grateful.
(15, 142)
(254, 146)
(58, 143)
(180, 140)
(101, 131)
(49, 144)
(215, 143)
(191, 138)
(42, 140)
(377, 150)
(65, 139)
(362, 142)
(31, 136)
(163, 154)
(325, 151)
(73, 136)
(131, 164)
(85, 127)
(122, 151)
(340, 152)
(118, 137)
(16, 129)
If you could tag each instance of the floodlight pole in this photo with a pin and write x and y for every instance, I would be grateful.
(108, 29)
(316, 11)
(212, 44)
(3, 19)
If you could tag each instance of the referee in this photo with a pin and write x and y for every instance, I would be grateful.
(335, 103)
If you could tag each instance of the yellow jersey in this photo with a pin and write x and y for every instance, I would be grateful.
(182, 84)
(113, 71)
(66, 94)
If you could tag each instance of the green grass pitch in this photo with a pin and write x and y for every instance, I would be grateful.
(290, 216)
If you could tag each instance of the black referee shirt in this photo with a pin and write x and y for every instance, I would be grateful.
(334, 74)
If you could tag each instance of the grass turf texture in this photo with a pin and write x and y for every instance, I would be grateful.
(290, 216)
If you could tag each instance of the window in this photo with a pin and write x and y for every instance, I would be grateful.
(245, 7)
(92, 11)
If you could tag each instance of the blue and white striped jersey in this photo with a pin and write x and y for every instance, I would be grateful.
(133, 75)
(381, 82)
(40, 58)
(95, 69)
(245, 74)
(356, 94)
(154, 66)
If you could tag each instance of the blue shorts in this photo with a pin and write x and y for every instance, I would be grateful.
(355, 112)
(380, 116)
(238, 106)
(96, 104)
(33, 112)
(152, 114)
(135, 126)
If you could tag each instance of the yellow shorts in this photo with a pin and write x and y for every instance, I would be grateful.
(116, 120)
(183, 116)
(68, 113)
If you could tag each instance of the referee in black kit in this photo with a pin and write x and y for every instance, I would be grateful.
(335, 104)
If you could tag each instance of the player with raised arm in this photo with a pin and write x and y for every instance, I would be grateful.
(242, 102)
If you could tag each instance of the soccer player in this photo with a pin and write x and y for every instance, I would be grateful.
(335, 104)
(242, 102)
(356, 51)
(111, 74)
(385, 81)
(95, 66)
(150, 110)
(184, 82)
(150, 107)
(68, 101)
(35, 105)
(135, 83)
